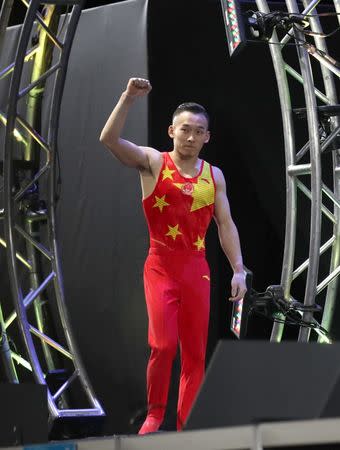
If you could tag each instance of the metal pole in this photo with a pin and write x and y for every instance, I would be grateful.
(337, 8)
(331, 93)
(289, 143)
(9, 222)
(42, 62)
(313, 131)
(5, 13)
(19, 226)
(53, 141)
(5, 353)
(40, 307)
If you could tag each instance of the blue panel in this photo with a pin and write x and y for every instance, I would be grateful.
(67, 446)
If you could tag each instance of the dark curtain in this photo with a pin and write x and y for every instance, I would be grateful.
(101, 230)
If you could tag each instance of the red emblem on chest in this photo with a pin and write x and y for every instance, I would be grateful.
(187, 188)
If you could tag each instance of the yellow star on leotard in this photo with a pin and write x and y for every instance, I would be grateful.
(199, 243)
(202, 195)
(160, 203)
(173, 232)
(167, 173)
(203, 191)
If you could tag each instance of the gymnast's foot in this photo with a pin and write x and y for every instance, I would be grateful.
(150, 425)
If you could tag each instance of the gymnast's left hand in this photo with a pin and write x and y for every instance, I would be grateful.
(238, 286)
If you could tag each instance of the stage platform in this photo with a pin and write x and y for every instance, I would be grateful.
(279, 434)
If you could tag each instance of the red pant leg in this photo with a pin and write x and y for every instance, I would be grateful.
(193, 321)
(162, 299)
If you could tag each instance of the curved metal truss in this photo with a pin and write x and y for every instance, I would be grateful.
(306, 168)
(28, 214)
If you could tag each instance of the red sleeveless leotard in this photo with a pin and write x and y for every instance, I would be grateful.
(177, 285)
(179, 210)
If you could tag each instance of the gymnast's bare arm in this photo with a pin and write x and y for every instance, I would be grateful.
(146, 159)
(229, 238)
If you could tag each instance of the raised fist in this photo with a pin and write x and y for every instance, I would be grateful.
(138, 87)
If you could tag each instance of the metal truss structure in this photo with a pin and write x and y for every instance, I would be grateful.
(28, 214)
(313, 171)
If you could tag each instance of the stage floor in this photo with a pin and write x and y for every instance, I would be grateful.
(274, 435)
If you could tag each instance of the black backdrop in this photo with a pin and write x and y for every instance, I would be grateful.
(101, 231)
(188, 60)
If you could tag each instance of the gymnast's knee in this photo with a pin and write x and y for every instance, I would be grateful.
(166, 351)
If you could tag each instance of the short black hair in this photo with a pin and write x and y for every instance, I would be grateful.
(192, 107)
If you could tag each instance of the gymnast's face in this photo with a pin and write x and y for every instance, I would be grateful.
(189, 132)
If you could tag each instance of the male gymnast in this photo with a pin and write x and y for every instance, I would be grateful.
(181, 194)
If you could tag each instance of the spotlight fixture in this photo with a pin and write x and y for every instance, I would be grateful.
(255, 26)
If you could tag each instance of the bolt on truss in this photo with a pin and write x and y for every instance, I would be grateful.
(28, 213)
(306, 167)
